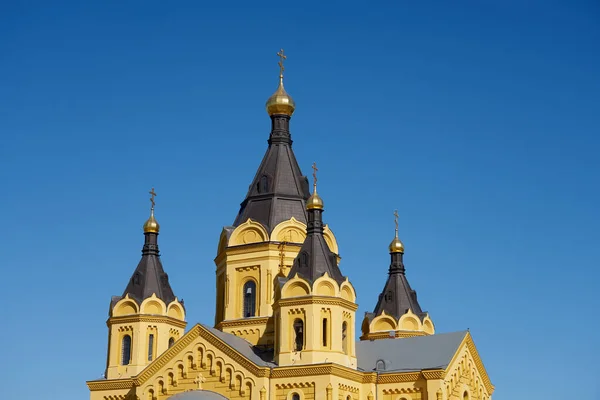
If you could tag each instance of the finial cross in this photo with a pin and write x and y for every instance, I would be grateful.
(152, 196)
(315, 169)
(282, 57)
(396, 220)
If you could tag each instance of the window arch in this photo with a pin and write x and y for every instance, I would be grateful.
(345, 337)
(298, 335)
(295, 396)
(171, 341)
(126, 350)
(465, 395)
(249, 295)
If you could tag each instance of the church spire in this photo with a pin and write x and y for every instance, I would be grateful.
(315, 258)
(278, 190)
(397, 296)
(149, 277)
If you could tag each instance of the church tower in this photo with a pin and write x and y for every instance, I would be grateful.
(397, 313)
(147, 318)
(267, 233)
(315, 306)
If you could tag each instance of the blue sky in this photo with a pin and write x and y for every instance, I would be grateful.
(477, 120)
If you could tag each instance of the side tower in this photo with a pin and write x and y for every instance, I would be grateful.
(397, 313)
(315, 307)
(266, 234)
(147, 318)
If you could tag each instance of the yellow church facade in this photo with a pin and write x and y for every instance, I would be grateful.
(285, 315)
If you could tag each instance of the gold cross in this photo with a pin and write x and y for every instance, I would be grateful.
(152, 194)
(396, 220)
(282, 57)
(315, 169)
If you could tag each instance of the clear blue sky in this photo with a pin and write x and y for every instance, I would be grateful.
(477, 120)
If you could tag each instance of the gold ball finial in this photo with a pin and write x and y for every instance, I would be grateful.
(281, 102)
(151, 225)
(314, 202)
(396, 246)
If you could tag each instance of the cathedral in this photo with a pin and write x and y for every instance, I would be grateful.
(285, 314)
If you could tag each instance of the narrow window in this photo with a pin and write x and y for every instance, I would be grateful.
(150, 346)
(295, 396)
(263, 184)
(171, 341)
(345, 337)
(249, 299)
(324, 332)
(465, 395)
(126, 350)
(299, 335)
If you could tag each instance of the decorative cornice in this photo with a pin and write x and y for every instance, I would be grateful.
(146, 318)
(386, 335)
(198, 331)
(316, 370)
(434, 374)
(110, 384)
(233, 323)
(398, 377)
(480, 367)
(312, 299)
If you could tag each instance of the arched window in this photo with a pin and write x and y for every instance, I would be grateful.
(150, 346)
(126, 350)
(349, 397)
(171, 341)
(263, 184)
(324, 332)
(249, 299)
(295, 396)
(380, 365)
(345, 337)
(298, 335)
(465, 395)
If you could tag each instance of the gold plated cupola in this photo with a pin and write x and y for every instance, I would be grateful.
(396, 246)
(314, 202)
(151, 225)
(281, 102)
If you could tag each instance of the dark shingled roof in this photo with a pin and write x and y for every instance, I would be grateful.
(397, 296)
(409, 354)
(149, 276)
(279, 190)
(315, 258)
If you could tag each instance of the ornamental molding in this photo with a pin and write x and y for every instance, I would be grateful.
(112, 384)
(310, 299)
(316, 370)
(434, 374)
(399, 377)
(196, 332)
(242, 322)
(247, 268)
(402, 390)
(480, 367)
(146, 318)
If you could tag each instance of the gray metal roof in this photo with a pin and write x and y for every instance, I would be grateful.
(409, 354)
(243, 347)
(197, 395)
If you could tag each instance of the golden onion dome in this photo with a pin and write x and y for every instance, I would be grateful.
(396, 246)
(314, 202)
(280, 102)
(151, 225)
